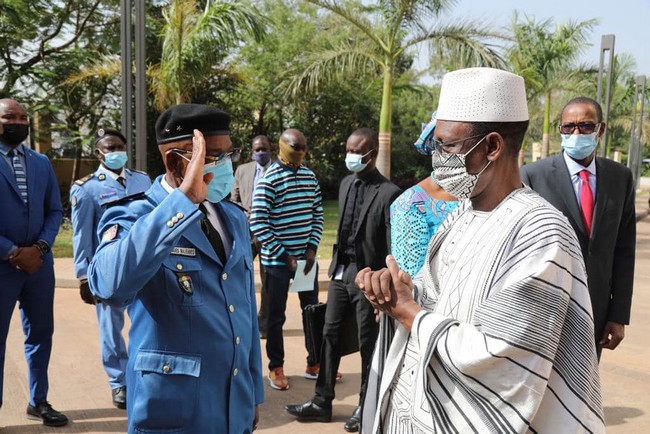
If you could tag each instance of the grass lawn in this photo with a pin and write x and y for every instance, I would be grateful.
(63, 244)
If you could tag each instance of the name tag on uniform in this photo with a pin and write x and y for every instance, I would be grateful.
(107, 194)
(184, 251)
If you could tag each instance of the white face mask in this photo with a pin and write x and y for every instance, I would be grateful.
(450, 172)
(353, 162)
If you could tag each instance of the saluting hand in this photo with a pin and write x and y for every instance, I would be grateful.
(195, 183)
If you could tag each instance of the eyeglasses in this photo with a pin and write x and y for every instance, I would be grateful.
(583, 127)
(209, 159)
(439, 146)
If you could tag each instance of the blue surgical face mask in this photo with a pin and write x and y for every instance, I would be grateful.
(115, 160)
(353, 162)
(222, 181)
(579, 146)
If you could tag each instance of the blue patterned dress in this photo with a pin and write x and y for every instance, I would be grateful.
(414, 218)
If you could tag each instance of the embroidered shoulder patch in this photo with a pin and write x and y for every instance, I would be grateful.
(73, 201)
(110, 233)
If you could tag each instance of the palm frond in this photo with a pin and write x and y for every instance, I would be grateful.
(325, 66)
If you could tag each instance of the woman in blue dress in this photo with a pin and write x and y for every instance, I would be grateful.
(418, 212)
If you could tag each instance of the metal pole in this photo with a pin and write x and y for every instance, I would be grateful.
(640, 90)
(140, 87)
(606, 44)
(127, 78)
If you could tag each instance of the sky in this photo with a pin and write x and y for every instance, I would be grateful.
(628, 20)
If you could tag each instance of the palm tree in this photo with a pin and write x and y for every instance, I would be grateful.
(194, 41)
(545, 57)
(383, 33)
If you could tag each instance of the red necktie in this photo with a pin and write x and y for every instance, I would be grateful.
(586, 200)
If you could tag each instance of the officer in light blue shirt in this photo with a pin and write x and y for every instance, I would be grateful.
(89, 197)
(180, 258)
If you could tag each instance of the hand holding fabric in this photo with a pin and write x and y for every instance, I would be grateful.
(84, 292)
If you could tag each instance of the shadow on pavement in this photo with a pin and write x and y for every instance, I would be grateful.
(620, 415)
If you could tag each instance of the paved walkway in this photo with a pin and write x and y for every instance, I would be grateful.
(78, 384)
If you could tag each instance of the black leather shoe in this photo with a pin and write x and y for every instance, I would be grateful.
(310, 412)
(45, 413)
(352, 425)
(119, 397)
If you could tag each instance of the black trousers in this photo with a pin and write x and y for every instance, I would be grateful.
(344, 298)
(277, 285)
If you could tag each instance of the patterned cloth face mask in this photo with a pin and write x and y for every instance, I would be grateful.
(450, 172)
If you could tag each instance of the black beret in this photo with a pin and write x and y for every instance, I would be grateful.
(103, 132)
(179, 122)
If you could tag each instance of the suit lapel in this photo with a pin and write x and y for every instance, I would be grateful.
(369, 197)
(602, 193)
(194, 235)
(197, 238)
(344, 197)
(8, 173)
(566, 192)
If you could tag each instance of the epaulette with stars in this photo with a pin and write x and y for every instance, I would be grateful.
(85, 179)
(125, 199)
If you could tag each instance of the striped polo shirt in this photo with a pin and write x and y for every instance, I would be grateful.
(287, 212)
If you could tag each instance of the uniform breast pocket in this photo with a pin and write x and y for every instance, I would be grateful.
(183, 280)
(166, 391)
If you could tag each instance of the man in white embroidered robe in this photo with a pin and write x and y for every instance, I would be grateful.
(495, 332)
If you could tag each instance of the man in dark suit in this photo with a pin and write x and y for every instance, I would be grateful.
(31, 217)
(363, 241)
(246, 177)
(597, 196)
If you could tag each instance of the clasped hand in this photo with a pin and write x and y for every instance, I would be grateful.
(389, 290)
(26, 258)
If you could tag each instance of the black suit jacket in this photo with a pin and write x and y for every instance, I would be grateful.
(609, 251)
(372, 235)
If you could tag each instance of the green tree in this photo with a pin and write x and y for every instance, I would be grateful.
(383, 34)
(194, 41)
(545, 55)
(37, 33)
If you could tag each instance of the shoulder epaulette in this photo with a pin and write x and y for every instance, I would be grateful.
(139, 171)
(124, 200)
(85, 179)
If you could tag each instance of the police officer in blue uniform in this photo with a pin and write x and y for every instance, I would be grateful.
(180, 258)
(89, 196)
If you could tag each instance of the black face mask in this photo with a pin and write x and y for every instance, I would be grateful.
(14, 134)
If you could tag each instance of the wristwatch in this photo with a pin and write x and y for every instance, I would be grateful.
(42, 247)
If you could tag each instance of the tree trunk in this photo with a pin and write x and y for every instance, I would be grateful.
(547, 125)
(385, 122)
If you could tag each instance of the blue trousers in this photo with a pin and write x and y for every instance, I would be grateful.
(277, 286)
(35, 296)
(111, 343)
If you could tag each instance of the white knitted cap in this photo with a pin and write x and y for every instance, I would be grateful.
(482, 95)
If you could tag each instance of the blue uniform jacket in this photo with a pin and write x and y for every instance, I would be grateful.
(195, 358)
(88, 197)
(23, 225)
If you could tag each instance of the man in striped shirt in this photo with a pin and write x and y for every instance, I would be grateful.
(287, 219)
